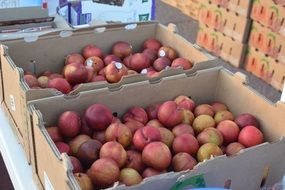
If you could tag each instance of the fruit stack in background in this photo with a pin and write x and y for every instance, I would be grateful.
(224, 28)
(266, 55)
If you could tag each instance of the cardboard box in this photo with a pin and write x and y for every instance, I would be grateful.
(224, 21)
(268, 42)
(48, 53)
(171, 2)
(242, 7)
(243, 171)
(265, 68)
(83, 12)
(269, 14)
(220, 45)
(189, 7)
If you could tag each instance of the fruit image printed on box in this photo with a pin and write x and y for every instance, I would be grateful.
(242, 7)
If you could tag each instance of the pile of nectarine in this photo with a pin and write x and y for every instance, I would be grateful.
(169, 136)
(93, 65)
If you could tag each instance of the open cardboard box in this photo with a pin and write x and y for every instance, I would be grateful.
(220, 45)
(224, 21)
(243, 171)
(48, 53)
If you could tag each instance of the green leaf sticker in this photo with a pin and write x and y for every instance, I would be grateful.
(265, 62)
(195, 181)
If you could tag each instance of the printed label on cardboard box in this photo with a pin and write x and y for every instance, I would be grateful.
(12, 102)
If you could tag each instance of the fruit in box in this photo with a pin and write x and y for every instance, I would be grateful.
(120, 133)
(223, 115)
(74, 58)
(204, 109)
(185, 143)
(181, 63)
(183, 161)
(202, 122)
(229, 130)
(169, 114)
(210, 135)
(122, 49)
(134, 160)
(234, 148)
(152, 44)
(88, 152)
(84, 181)
(92, 50)
(129, 177)
(182, 129)
(136, 113)
(250, 136)
(144, 136)
(168, 52)
(148, 172)
(207, 150)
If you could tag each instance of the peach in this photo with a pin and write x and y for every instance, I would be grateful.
(185, 102)
(250, 136)
(202, 122)
(122, 49)
(115, 151)
(88, 152)
(234, 148)
(246, 119)
(63, 147)
(151, 54)
(138, 62)
(185, 143)
(152, 44)
(144, 136)
(54, 75)
(90, 74)
(166, 51)
(169, 114)
(95, 62)
(60, 84)
(208, 150)
(100, 136)
(74, 58)
(152, 111)
(104, 172)
(183, 161)
(161, 63)
(54, 134)
(43, 81)
(149, 172)
(167, 136)
(229, 130)
(181, 63)
(130, 176)
(75, 73)
(31, 81)
(98, 78)
(182, 129)
(84, 181)
(154, 123)
(223, 115)
(92, 50)
(76, 165)
(204, 109)
(85, 129)
(98, 116)
(136, 113)
(76, 142)
(120, 133)
(134, 160)
(115, 71)
(188, 117)
(134, 125)
(155, 150)
(127, 61)
(219, 106)
(69, 124)
(210, 135)
(110, 58)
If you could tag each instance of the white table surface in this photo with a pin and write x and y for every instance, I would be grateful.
(14, 157)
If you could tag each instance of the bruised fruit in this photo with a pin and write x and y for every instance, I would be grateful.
(166, 51)
(60, 84)
(134, 160)
(204, 109)
(246, 119)
(208, 150)
(130, 176)
(84, 181)
(202, 122)
(144, 136)
(88, 152)
(122, 49)
(92, 50)
(210, 135)
(98, 116)
(76, 142)
(161, 63)
(152, 44)
(153, 151)
(104, 172)
(234, 148)
(169, 114)
(182, 129)
(223, 115)
(69, 124)
(74, 58)
(115, 151)
(183, 161)
(182, 63)
(54, 133)
(250, 136)
(31, 81)
(149, 172)
(185, 102)
(229, 130)
(75, 73)
(77, 167)
(136, 113)
(185, 143)
(120, 133)
(63, 147)
(115, 71)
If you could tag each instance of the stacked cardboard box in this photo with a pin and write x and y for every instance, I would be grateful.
(224, 29)
(266, 55)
